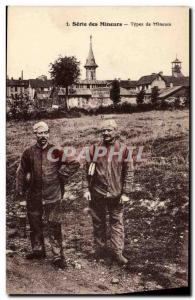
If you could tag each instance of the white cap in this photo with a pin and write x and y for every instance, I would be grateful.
(109, 123)
(40, 125)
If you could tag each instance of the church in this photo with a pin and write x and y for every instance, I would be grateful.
(90, 82)
(91, 92)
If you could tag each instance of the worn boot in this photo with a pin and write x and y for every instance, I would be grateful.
(60, 262)
(120, 259)
(100, 253)
(36, 255)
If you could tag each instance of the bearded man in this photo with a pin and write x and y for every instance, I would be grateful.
(42, 162)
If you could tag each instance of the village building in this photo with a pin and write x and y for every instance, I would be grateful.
(40, 91)
(176, 81)
(36, 90)
(92, 93)
(16, 87)
(168, 86)
(90, 82)
(176, 68)
(175, 92)
(147, 82)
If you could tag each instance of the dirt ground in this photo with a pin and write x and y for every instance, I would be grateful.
(156, 218)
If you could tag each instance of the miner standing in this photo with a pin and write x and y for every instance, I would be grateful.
(42, 162)
(107, 186)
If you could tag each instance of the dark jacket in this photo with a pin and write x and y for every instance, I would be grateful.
(111, 178)
(44, 184)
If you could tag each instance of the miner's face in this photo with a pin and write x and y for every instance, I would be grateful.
(42, 136)
(108, 134)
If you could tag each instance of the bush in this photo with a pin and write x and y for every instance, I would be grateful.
(35, 113)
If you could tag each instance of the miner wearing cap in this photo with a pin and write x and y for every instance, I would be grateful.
(107, 187)
(44, 192)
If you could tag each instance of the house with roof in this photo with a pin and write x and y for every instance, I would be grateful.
(91, 92)
(129, 85)
(179, 92)
(147, 82)
(82, 98)
(30, 87)
(176, 81)
(16, 87)
(40, 90)
(176, 85)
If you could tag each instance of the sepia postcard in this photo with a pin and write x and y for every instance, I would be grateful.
(98, 153)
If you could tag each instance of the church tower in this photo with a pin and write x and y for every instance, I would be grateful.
(90, 64)
(176, 68)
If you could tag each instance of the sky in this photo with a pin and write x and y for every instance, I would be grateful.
(37, 35)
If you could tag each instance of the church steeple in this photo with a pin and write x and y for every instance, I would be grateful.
(90, 64)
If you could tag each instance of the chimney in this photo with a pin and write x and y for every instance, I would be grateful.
(22, 75)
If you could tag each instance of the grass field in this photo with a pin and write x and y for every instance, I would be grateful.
(156, 218)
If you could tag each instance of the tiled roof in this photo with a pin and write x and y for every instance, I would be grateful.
(17, 82)
(169, 91)
(34, 83)
(38, 83)
(127, 84)
(177, 81)
(147, 79)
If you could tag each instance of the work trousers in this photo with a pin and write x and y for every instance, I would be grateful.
(100, 207)
(52, 216)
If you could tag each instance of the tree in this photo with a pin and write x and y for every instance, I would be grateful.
(154, 96)
(140, 97)
(115, 92)
(64, 72)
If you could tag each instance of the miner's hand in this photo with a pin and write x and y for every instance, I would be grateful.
(87, 195)
(124, 198)
(23, 203)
